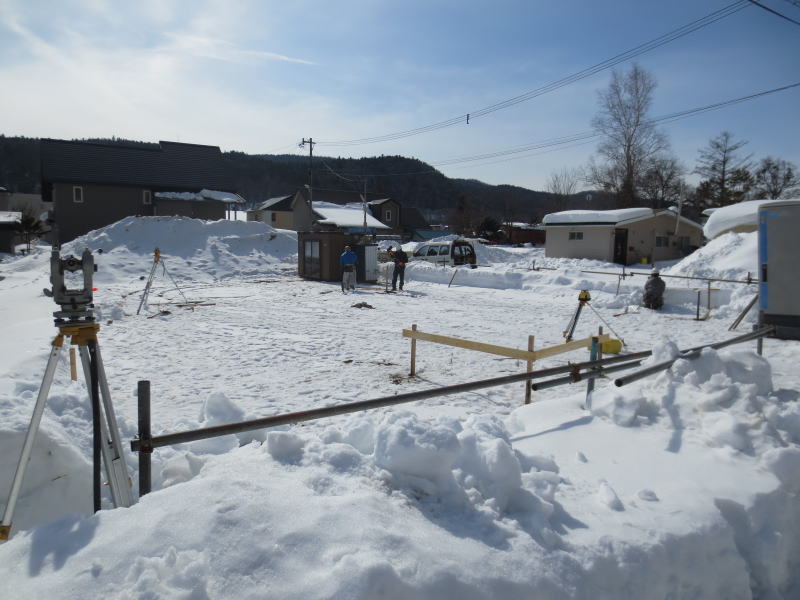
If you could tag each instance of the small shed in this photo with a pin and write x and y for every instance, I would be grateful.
(624, 236)
(319, 252)
(525, 233)
(9, 235)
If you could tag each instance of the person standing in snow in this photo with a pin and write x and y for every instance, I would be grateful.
(348, 261)
(400, 258)
(654, 291)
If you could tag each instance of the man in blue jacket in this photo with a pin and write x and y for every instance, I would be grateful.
(348, 261)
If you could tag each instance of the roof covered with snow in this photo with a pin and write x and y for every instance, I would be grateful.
(277, 203)
(348, 215)
(7, 216)
(620, 216)
(203, 195)
(742, 216)
(596, 217)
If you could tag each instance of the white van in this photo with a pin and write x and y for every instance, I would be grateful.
(451, 253)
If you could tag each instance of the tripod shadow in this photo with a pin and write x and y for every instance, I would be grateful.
(62, 539)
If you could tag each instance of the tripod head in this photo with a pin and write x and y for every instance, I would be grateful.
(76, 303)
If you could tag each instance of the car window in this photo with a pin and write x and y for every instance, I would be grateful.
(433, 251)
(422, 251)
(444, 250)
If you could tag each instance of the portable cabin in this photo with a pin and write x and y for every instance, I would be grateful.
(779, 285)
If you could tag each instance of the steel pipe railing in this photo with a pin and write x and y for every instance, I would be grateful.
(690, 354)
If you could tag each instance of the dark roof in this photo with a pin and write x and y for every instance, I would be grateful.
(341, 196)
(170, 166)
(278, 203)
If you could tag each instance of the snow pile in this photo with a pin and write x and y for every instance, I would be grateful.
(192, 249)
(729, 256)
(742, 216)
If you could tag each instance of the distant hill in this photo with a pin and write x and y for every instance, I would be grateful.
(408, 180)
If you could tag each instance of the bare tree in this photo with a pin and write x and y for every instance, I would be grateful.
(564, 183)
(662, 181)
(726, 175)
(774, 178)
(630, 139)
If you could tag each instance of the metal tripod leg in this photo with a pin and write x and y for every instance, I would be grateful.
(573, 322)
(111, 447)
(143, 301)
(27, 446)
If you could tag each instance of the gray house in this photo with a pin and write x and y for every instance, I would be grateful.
(624, 236)
(93, 185)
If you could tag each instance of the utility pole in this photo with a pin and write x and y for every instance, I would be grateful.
(310, 142)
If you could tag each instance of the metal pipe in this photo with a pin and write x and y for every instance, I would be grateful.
(632, 273)
(692, 353)
(330, 411)
(97, 439)
(589, 375)
(146, 450)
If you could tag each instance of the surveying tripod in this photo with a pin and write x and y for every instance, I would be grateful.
(584, 299)
(76, 321)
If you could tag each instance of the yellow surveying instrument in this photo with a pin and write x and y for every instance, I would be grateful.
(584, 299)
(76, 321)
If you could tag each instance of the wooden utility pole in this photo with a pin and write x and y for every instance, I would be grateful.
(310, 142)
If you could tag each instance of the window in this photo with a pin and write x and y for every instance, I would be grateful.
(388, 215)
(147, 197)
(576, 235)
(444, 250)
(662, 241)
(273, 217)
(422, 251)
(77, 194)
(433, 251)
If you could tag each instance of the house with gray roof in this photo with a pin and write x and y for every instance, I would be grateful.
(92, 185)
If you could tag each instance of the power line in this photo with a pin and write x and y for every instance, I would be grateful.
(584, 137)
(774, 12)
(601, 66)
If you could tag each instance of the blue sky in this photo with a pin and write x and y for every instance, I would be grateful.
(259, 76)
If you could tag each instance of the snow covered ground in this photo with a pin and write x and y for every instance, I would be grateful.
(683, 485)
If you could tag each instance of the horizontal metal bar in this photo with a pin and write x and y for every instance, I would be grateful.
(632, 273)
(329, 411)
(585, 375)
(182, 437)
(690, 354)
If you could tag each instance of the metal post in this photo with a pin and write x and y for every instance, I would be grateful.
(413, 352)
(590, 381)
(697, 318)
(97, 438)
(146, 450)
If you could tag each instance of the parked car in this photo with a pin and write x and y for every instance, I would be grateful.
(451, 253)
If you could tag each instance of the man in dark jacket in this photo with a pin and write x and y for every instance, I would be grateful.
(654, 291)
(400, 258)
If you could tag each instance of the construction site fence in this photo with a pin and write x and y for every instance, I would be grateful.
(144, 443)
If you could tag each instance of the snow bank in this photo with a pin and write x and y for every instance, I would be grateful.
(740, 215)
(192, 249)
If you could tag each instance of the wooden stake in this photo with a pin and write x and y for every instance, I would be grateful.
(413, 351)
(530, 368)
(73, 367)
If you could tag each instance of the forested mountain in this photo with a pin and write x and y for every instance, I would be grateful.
(409, 181)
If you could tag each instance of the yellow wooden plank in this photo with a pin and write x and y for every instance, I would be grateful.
(500, 350)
